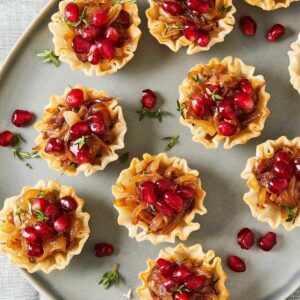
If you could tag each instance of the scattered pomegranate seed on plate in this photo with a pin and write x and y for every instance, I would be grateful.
(103, 249)
(149, 99)
(6, 138)
(275, 32)
(21, 118)
(268, 241)
(236, 264)
(248, 25)
(246, 238)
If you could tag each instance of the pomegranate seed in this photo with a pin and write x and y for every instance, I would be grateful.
(227, 109)
(103, 249)
(21, 117)
(81, 153)
(44, 230)
(94, 55)
(107, 48)
(278, 185)
(39, 204)
(246, 87)
(63, 223)
(72, 13)
(174, 201)
(190, 31)
(236, 264)
(182, 296)
(100, 18)
(180, 274)
(80, 129)
(30, 235)
(283, 156)
(165, 267)
(112, 34)
(199, 107)
(246, 238)
(243, 101)
(214, 88)
(199, 6)
(6, 138)
(54, 146)
(267, 242)
(35, 250)
(164, 209)
(169, 283)
(227, 129)
(275, 32)
(203, 39)
(124, 19)
(149, 99)
(96, 123)
(165, 185)
(68, 203)
(148, 192)
(248, 25)
(196, 282)
(75, 97)
(297, 168)
(186, 192)
(81, 45)
(283, 170)
(171, 7)
(91, 33)
(52, 212)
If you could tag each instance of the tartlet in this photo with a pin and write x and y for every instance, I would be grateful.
(98, 45)
(294, 67)
(205, 277)
(223, 100)
(273, 177)
(157, 199)
(43, 227)
(271, 4)
(80, 131)
(197, 27)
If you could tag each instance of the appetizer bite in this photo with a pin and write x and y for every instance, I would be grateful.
(183, 273)
(80, 131)
(271, 4)
(97, 37)
(158, 197)
(294, 67)
(43, 227)
(274, 181)
(223, 100)
(196, 24)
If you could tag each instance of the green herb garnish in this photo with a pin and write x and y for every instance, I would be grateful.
(81, 19)
(181, 289)
(40, 216)
(180, 108)
(19, 213)
(81, 141)
(114, 2)
(111, 277)
(225, 9)
(172, 26)
(41, 194)
(124, 157)
(49, 57)
(157, 114)
(199, 80)
(213, 94)
(291, 213)
(172, 141)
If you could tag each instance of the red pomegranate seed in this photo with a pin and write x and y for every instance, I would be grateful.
(180, 274)
(81, 153)
(297, 168)
(80, 129)
(149, 99)
(35, 250)
(72, 13)
(267, 242)
(171, 7)
(165, 267)
(196, 282)
(124, 19)
(96, 123)
(75, 97)
(199, 6)
(164, 209)
(182, 296)
(21, 117)
(81, 45)
(199, 107)
(283, 170)
(248, 25)
(112, 34)
(227, 129)
(165, 185)
(6, 138)
(243, 101)
(283, 156)
(52, 212)
(68, 203)
(100, 18)
(236, 264)
(190, 31)
(94, 55)
(103, 249)
(246, 238)
(63, 223)
(246, 87)
(54, 146)
(227, 109)
(275, 32)
(91, 33)
(44, 230)
(174, 201)
(107, 48)
(203, 39)
(186, 192)
(148, 192)
(278, 185)
(169, 283)
(30, 235)
(39, 204)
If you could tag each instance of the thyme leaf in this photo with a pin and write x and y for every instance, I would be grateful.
(154, 114)
(40, 216)
(49, 57)
(172, 26)
(181, 289)
(173, 140)
(180, 108)
(213, 95)
(225, 9)
(114, 2)
(291, 213)
(81, 141)
(111, 277)
(199, 80)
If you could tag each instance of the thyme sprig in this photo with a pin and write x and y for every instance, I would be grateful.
(213, 94)
(40, 216)
(114, 2)
(181, 289)
(173, 140)
(199, 80)
(111, 277)
(154, 114)
(81, 141)
(291, 213)
(180, 108)
(49, 57)
(172, 26)
(82, 19)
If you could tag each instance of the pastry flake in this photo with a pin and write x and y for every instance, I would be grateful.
(294, 67)
(271, 4)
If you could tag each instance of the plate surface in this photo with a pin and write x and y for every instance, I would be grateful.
(26, 83)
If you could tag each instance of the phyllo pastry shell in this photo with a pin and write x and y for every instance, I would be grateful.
(158, 197)
(198, 29)
(223, 100)
(81, 131)
(204, 268)
(271, 4)
(96, 43)
(43, 227)
(294, 67)
(273, 177)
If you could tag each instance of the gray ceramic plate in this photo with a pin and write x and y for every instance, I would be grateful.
(27, 83)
